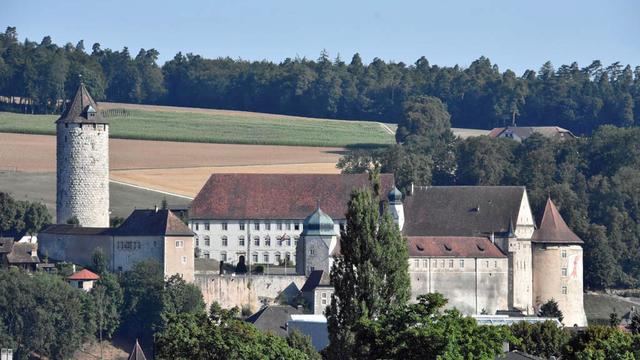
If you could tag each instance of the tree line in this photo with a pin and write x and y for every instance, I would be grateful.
(479, 96)
(593, 180)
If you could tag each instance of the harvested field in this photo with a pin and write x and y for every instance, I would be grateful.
(37, 153)
(188, 181)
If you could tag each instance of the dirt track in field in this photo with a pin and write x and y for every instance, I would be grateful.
(37, 153)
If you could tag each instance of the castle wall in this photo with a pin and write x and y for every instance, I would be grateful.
(77, 249)
(130, 250)
(251, 291)
(550, 281)
(470, 286)
(82, 155)
(179, 259)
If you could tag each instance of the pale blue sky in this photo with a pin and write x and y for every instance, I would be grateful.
(515, 34)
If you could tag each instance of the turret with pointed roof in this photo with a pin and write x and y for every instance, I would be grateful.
(137, 353)
(553, 229)
(82, 154)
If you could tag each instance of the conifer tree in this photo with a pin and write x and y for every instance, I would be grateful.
(370, 276)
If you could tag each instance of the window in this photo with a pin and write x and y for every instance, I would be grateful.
(267, 225)
(563, 254)
(256, 241)
(256, 226)
(288, 241)
(425, 263)
(265, 258)
(416, 263)
(278, 258)
(564, 290)
(279, 226)
(223, 256)
(288, 226)
(564, 271)
(287, 257)
(206, 255)
(241, 226)
(179, 244)
(197, 226)
(254, 258)
(486, 264)
(442, 264)
(296, 226)
(324, 298)
(462, 264)
(206, 226)
(450, 263)
(224, 226)
(279, 240)
(197, 242)
(207, 241)
(184, 259)
(267, 241)
(295, 240)
(225, 241)
(311, 251)
(241, 241)
(495, 264)
(435, 264)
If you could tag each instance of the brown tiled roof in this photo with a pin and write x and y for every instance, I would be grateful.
(84, 274)
(76, 110)
(278, 196)
(553, 229)
(461, 210)
(553, 132)
(6, 245)
(65, 229)
(453, 246)
(21, 254)
(153, 223)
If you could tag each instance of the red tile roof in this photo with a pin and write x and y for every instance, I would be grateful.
(553, 229)
(453, 246)
(278, 196)
(85, 275)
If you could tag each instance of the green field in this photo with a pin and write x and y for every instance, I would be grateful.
(230, 128)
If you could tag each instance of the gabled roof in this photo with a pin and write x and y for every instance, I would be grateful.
(453, 246)
(523, 132)
(153, 223)
(6, 245)
(316, 278)
(461, 210)
(137, 353)
(273, 318)
(553, 229)
(84, 275)
(79, 109)
(278, 196)
(66, 229)
(21, 254)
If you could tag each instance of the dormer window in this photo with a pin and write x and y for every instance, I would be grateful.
(91, 112)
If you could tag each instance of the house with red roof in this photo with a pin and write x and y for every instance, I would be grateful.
(83, 279)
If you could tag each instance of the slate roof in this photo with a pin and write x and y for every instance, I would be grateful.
(65, 229)
(318, 224)
(278, 196)
(137, 353)
(453, 246)
(84, 274)
(523, 132)
(461, 210)
(553, 229)
(76, 110)
(153, 223)
(316, 278)
(21, 254)
(6, 245)
(273, 318)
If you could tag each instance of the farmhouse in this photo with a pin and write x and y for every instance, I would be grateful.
(521, 133)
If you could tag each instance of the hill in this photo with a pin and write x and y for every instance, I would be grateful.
(148, 122)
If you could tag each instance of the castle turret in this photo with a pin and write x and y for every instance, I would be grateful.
(317, 244)
(557, 267)
(82, 156)
(396, 207)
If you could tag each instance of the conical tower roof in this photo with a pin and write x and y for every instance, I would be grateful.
(137, 353)
(82, 109)
(553, 229)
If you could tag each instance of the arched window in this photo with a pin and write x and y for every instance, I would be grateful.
(223, 256)
(278, 258)
(207, 241)
(279, 238)
(288, 240)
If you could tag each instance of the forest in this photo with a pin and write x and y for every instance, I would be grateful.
(39, 75)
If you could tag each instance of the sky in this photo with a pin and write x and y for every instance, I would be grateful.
(515, 34)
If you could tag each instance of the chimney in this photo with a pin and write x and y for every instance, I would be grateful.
(411, 191)
(493, 238)
(156, 208)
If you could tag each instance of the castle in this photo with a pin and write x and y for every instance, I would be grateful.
(480, 246)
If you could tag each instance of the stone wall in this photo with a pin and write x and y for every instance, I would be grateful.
(251, 291)
(77, 249)
(82, 155)
(179, 260)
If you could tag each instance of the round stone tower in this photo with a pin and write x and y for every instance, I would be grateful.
(557, 267)
(82, 156)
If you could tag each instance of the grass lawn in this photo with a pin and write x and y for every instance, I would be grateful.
(220, 128)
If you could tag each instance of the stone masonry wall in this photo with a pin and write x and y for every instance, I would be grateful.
(82, 155)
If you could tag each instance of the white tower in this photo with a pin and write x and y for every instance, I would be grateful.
(396, 207)
(82, 156)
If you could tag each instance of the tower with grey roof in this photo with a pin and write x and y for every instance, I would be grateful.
(82, 155)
